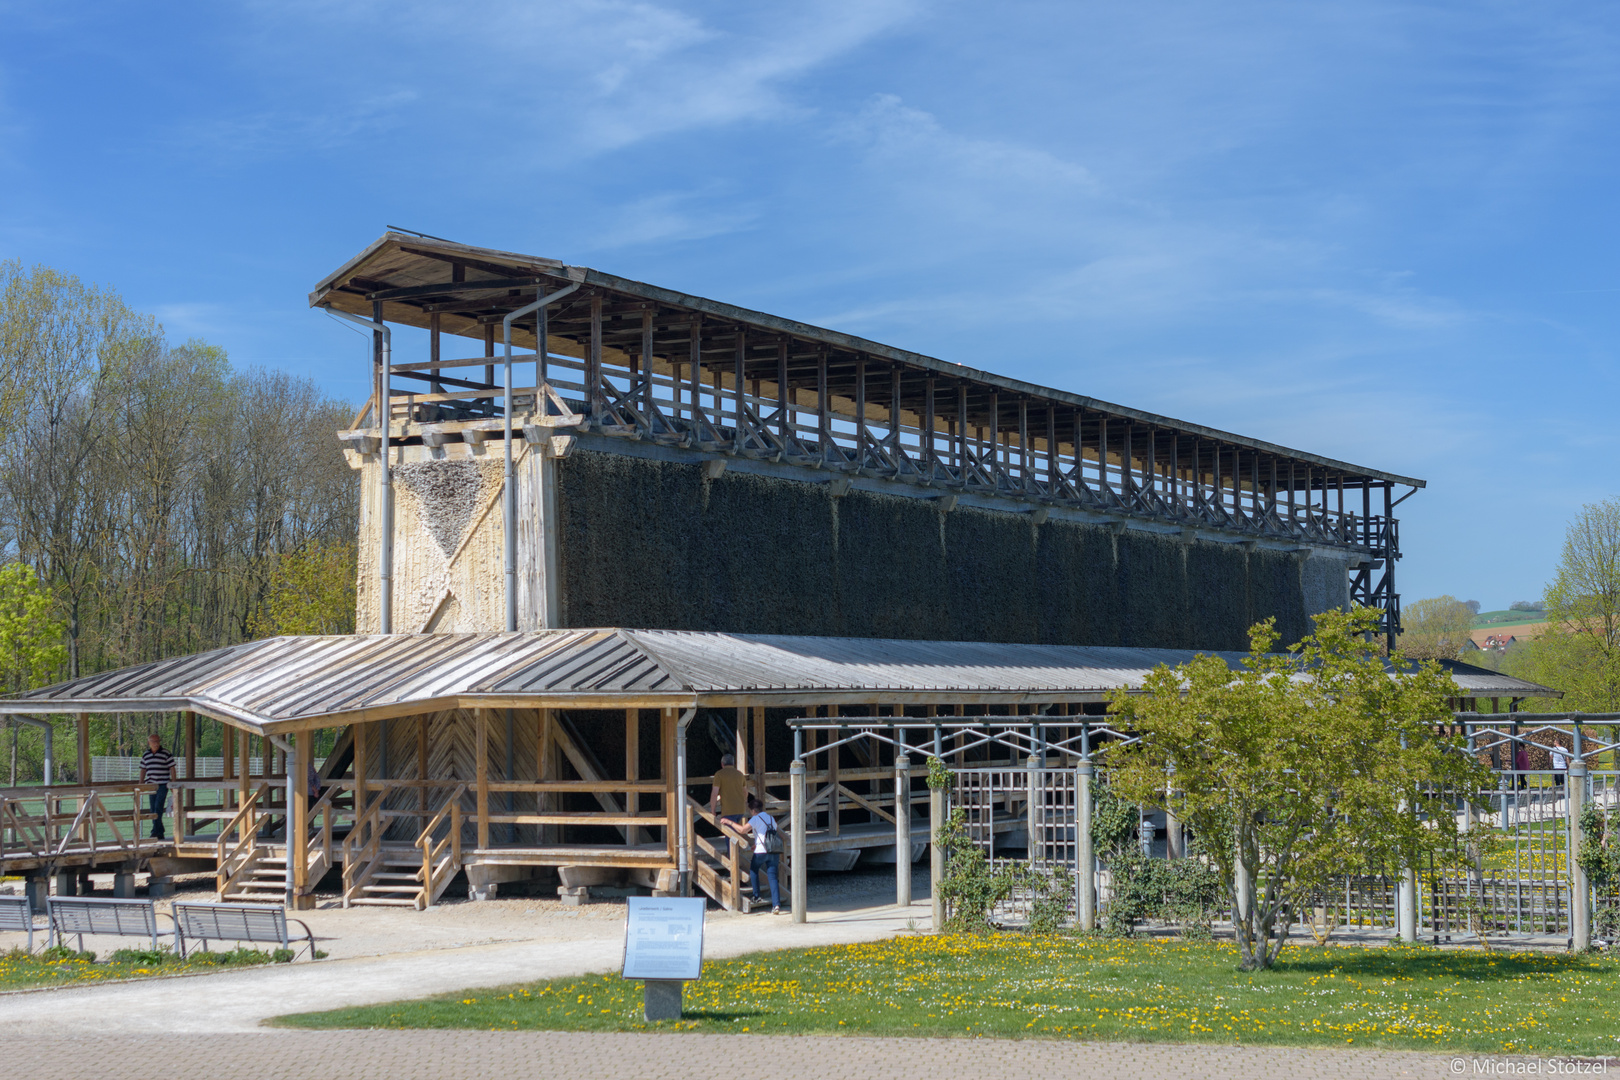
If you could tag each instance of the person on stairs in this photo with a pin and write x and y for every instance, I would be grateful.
(729, 793)
(157, 767)
(767, 851)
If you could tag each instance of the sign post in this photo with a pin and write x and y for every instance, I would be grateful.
(663, 946)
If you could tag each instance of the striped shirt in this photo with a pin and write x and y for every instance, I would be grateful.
(158, 765)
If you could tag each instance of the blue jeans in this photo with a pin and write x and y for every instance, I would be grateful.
(766, 860)
(160, 799)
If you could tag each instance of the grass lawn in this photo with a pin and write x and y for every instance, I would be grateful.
(20, 971)
(1086, 988)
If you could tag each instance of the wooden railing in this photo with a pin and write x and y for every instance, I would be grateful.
(52, 823)
(1008, 446)
(727, 851)
(438, 867)
(237, 859)
(361, 849)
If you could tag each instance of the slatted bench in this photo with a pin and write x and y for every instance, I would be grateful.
(17, 917)
(264, 924)
(81, 915)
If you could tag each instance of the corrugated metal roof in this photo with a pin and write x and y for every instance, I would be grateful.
(297, 681)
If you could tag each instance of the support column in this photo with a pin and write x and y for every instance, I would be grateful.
(1580, 890)
(1406, 905)
(1032, 808)
(84, 747)
(902, 831)
(936, 854)
(798, 859)
(481, 721)
(1085, 859)
(298, 818)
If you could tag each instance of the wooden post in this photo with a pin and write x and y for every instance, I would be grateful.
(798, 861)
(832, 777)
(758, 759)
(666, 758)
(739, 738)
(188, 799)
(84, 747)
(359, 770)
(242, 745)
(298, 817)
(421, 772)
(545, 769)
(632, 771)
(481, 722)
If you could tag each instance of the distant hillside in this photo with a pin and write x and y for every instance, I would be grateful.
(1508, 618)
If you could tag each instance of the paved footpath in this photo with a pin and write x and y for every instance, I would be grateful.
(497, 1055)
(209, 1027)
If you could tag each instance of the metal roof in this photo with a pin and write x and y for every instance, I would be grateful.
(405, 273)
(288, 683)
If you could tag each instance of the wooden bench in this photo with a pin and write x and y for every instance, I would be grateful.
(264, 924)
(17, 917)
(81, 915)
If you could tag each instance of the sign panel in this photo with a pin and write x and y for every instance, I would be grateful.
(663, 938)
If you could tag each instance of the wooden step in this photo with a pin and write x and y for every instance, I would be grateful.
(380, 901)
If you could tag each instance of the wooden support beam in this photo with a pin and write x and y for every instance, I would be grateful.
(83, 730)
(298, 818)
(666, 757)
(422, 766)
(360, 741)
(481, 724)
(593, 365)
(188, 799)
(632, 768)
(758, 760)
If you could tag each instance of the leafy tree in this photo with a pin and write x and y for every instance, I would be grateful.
(1299, 765)
(1436, 628)
(311, 592)
(31, 638)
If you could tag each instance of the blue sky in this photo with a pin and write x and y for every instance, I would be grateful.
(1383, 232)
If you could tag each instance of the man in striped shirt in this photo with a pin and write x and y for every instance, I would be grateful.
(157, 767)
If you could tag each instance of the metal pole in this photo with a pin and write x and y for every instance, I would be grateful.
(1085, 861)
(800, 885)
(902, 831)
(683, 842)
(1580, 890)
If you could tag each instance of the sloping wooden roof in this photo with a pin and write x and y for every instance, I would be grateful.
(289, 683)
(410, 276)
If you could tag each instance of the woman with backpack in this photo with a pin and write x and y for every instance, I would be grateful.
(767, 850)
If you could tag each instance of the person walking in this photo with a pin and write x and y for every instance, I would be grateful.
(1560, 762)
(157, 767)
(767, 851)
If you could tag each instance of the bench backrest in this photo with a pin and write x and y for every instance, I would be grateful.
(232, 922)
(84, 915)
(16, 914)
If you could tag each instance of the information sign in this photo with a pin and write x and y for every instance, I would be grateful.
(663, 938)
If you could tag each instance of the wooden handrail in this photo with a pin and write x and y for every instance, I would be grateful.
(247, 807)
(431, 850)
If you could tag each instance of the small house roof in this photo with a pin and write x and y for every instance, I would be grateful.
(291, 683)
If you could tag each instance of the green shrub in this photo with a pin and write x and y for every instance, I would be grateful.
(143, 957)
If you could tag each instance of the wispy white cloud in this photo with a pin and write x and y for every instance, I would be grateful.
(672, 216)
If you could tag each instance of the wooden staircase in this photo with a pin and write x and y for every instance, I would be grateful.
(253, 869)
(376, 874)
(720, 864)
